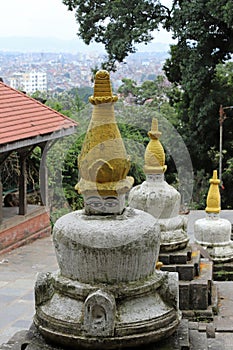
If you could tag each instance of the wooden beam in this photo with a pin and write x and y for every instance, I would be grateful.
(17, 145)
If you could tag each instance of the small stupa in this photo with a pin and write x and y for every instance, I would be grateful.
(157, 197)
(107, 293)
(213, 232)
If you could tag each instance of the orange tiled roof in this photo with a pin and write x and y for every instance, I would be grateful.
(22, 117)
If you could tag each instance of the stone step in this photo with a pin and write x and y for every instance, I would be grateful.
(194, 296)
(186, 262)
(208, 335)
(200, 341)
(215, 344)
(206, 270)
(188, 336)
(183, 334)
(186, 272)
(203, 315)
(223, 271)
(200, 293)
(178, 341)
(178, 257)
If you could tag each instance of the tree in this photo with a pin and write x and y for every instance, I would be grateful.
(204, 33)
(128, 87)
(118, 24)
(205, 39)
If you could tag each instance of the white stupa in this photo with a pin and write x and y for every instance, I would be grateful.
(157, 197)
(107, 293)
(213, 232)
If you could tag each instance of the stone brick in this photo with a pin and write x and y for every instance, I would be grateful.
(170, 268)
(184, 295)
(164, 258)
(199, 295)
(180, 258)
(216, 344)
(183, 335)
(206, 270)
(210, 330)
(198, 340)
(186, 272)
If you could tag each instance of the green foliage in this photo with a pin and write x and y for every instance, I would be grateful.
(201, 79)
(135, 140)
(154, 90)
(205, 40)
(134, 123)
(10, 173)
(200, 190)
(227, 189)
(63, 168)
(118, 24)
(128, 87)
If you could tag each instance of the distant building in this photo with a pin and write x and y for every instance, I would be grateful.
(29, 82)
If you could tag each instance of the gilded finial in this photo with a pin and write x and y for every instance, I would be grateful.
(154, 133)
(213, 197)
(102, 89)
(103, 161)
(154, 155)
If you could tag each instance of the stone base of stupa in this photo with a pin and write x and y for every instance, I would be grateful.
(107, 292)
(214, 234)
(156, 197)
(188, 335)
(173, 233)
(79, 315)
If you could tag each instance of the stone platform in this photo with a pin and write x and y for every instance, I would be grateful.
(188, 336)
(17, 296)
(197, 291)
(223, 271)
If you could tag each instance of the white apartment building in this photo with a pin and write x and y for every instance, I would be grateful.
(29, 82)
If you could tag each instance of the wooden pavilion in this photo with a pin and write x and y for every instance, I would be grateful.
(26, 123)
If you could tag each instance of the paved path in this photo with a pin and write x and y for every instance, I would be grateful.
(18, 271)
(19, 268)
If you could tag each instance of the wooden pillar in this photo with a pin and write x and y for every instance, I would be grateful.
(44, 177)
(22, 185)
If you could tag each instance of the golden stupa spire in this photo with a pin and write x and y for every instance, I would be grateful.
(102, 89)
(103, 162)
(154, 155)
(213, 197)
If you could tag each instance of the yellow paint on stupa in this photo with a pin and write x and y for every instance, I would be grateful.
(102, 89)
(103, 162)
(213, 198)
(154, 155)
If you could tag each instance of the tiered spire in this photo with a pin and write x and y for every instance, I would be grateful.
(154, 155)
(103, 162)
(102, 89)
(213, 198)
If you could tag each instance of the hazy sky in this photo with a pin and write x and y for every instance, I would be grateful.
(39, 18)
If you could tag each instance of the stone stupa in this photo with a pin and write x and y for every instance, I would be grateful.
(107, 293)
(213, 232)
(156, 197)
